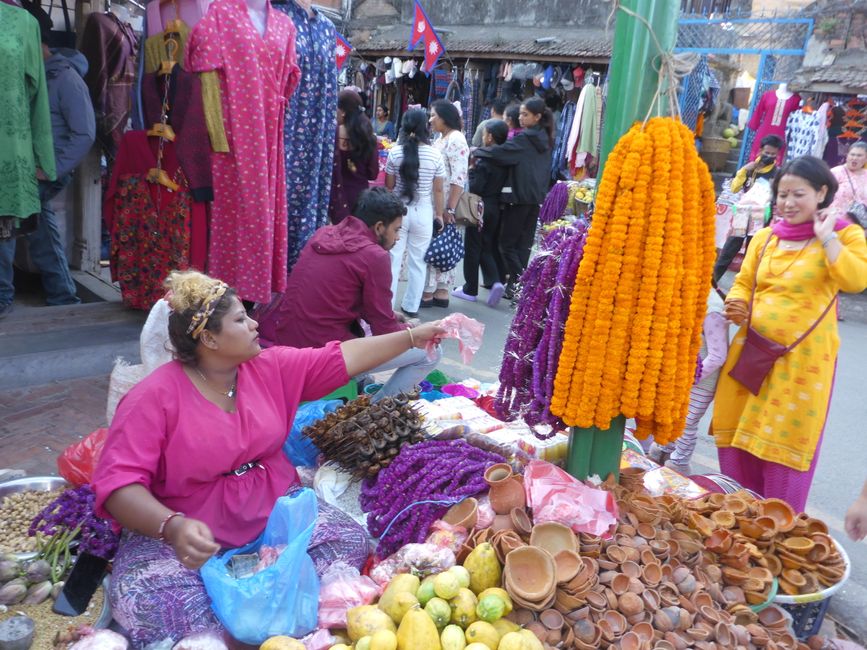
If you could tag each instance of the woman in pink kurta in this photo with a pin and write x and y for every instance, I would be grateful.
(257, 76)
(193, 462)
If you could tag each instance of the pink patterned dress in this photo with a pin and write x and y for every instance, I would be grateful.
(257, 76)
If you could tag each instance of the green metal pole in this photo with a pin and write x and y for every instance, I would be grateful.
(632, 84)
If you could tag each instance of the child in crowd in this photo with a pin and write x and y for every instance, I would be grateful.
(481, 245)
(714, 350)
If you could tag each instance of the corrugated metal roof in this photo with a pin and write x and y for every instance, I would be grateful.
(578, 44)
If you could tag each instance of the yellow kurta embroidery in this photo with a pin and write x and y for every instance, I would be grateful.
(782, 424)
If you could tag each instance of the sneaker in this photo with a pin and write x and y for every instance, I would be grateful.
(5, 309)
(497, 291)
(681, 468)
(511, 291)
(459, 293)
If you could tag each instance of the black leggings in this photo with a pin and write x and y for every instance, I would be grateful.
(481, 250)
(517, 232)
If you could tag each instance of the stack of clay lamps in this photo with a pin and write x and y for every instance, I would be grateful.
(364, 437)
(757, 540)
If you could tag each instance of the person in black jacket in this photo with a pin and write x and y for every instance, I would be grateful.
(480, 244)
(528, 158)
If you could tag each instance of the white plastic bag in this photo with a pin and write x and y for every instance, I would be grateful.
(154, 341)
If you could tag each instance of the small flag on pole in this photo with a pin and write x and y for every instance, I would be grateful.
(342, 51)
(423, 30)
(420, 27)
(433, 50)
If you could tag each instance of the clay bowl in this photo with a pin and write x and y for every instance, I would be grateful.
(532, 605)
(566, 603)
(498, 473)
(772, 617)
(521, 522)
(522, 617)
(816, 526)
(734, 504)
(720, 541)
(505, 542)
(530, 574)
(780, 511)
(761, 573)
(465, 513)
(651, 574)
(773, 564)
(567, 565)
(799, 545)
(750, 528)
(597, 601)
(506, 495)
(630, 604)
(553, 537)
(551, 619)
(587, 634)
(794, 577)
(501, 523)
(631, 569)
(733, 576)
(723, 518)
(620, 584)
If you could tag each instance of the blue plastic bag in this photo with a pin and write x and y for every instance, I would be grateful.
(284, 597)
(299, 449)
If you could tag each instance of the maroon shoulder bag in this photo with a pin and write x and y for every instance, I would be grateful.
(760, 353)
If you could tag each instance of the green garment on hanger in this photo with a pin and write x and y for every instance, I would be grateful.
(25, 118)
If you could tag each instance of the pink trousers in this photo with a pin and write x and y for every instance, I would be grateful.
(771, 480)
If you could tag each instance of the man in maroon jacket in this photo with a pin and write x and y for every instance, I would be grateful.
(343, 276)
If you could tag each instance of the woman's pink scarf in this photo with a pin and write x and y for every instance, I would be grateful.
(802, 231)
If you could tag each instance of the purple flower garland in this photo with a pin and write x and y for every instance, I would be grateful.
(437, 470)
(555, 204)
(535, 337)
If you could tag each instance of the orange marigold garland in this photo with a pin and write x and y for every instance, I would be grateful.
(639, 301)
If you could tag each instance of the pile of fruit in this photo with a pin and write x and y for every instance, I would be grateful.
(28, 583)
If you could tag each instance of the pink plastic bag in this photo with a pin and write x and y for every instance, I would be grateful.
(340, 589)
(555, 496)
(466, 330)
(447, 536)
(486, 512)
(319, 640)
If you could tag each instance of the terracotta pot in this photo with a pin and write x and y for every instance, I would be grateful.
(799, 545)
(501, 523)
(531, 573)
(553, 537)
(465, 513)
(630, 641)
(780, 511)
(506, 495)
(498, 473)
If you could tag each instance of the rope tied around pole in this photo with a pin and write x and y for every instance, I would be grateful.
(671, 68)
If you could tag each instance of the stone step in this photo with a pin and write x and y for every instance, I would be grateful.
(44, 344)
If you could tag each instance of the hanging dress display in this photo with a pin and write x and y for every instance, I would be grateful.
(308, 136)
(258, 75)
(150, 225)
(110, 48)
(25, 120)
(769, 118)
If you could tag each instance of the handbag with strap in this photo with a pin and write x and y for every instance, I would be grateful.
(469, 209)
(446, 249)
(857, 208)
(760, 353)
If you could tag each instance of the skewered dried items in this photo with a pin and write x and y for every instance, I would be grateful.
(363, 437)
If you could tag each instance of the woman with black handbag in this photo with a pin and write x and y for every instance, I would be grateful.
(772, 400)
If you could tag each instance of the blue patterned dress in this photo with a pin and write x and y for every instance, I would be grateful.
(311, 121)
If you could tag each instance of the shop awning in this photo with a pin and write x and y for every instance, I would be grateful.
(555, 44)
(846, 76)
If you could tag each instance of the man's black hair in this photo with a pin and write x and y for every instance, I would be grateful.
(772, 141)
(499, 106)
(378, 204)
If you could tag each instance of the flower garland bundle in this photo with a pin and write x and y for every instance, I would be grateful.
(536, 327)
(555, 204)
(417, 487)
(636, 313)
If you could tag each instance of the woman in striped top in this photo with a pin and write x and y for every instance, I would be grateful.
(415, 171)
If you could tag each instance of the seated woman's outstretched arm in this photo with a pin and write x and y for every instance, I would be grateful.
(364, 354)
(136, 509)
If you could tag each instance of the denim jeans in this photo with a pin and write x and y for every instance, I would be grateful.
(47, 252)
(412, 367)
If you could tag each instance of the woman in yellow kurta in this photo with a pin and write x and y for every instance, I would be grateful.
(770, 442)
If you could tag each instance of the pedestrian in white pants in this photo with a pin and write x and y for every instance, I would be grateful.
(416, 172)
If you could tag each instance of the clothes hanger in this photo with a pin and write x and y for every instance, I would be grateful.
(172, 48)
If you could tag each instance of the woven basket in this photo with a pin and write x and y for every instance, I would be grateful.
(715, 152)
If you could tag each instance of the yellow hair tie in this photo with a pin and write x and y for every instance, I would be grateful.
(200, 318)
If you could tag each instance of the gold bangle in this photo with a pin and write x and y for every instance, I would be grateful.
(411, 339)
